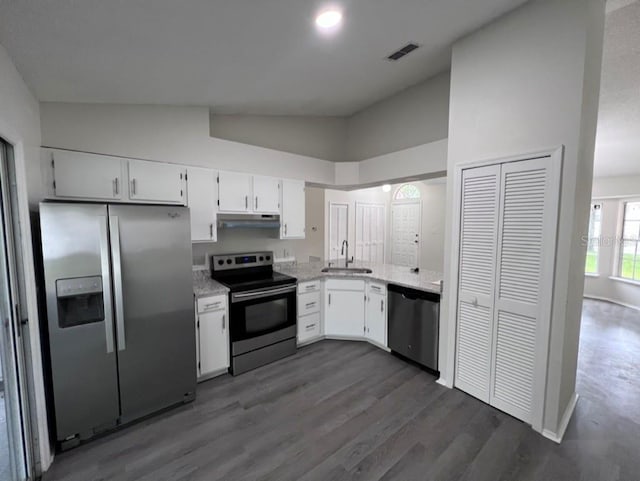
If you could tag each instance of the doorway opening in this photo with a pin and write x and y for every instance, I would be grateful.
(16, 454)
(406, 215)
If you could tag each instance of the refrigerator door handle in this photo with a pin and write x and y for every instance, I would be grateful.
(106, 283)
(117, 280)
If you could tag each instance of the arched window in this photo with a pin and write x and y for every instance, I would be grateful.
(407, 192)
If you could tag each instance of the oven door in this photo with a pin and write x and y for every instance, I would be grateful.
(261, 317)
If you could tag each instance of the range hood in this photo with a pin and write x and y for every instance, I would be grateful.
(248, 221)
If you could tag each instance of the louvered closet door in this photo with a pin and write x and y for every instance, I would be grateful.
(478, 239)
(526, 242)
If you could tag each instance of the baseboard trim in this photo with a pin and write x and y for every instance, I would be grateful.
(564, 422)
(444, 383)
(612, 301)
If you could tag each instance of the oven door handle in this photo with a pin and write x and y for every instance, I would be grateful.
(247, 296)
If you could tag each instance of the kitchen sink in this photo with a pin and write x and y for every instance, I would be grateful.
(347, 270)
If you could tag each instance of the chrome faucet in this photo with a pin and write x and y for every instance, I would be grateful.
(346, 257)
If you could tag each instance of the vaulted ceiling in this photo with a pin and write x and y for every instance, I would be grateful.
(236, 56)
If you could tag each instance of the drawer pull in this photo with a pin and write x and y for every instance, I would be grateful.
(213, 304)
(310, 304)
(310, 326)
(311, 287)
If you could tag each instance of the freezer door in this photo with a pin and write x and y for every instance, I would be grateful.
(75, 252)
(154, 308)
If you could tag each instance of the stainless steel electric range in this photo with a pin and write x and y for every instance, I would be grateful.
(262, 309)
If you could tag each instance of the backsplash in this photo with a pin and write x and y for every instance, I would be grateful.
(247, 240)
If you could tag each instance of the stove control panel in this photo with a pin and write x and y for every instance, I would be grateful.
(241, 261)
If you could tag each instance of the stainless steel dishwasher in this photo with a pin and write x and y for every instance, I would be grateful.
(414, 319)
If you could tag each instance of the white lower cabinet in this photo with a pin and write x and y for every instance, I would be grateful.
(309, 312)
(344, 308)
(309, 328)
(376, 314)
(212, 336)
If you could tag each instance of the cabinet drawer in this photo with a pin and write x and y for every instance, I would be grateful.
(311, 286)
(345, 284)
(308, 303)
(377, 288)
(213, 303)
(308, 327)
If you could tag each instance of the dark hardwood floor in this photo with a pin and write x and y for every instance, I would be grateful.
(347, 410)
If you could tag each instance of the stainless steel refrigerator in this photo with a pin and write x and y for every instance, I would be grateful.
(120, 311)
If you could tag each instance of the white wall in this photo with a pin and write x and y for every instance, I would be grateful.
(181, 135)
(170, 134)
(320, 137)
(611, 192)
(415, 116)
(430, 158)
(527, 82)
(610, 187)
(20, 126)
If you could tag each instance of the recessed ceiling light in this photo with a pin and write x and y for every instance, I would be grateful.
(386, 188)
(329, 19)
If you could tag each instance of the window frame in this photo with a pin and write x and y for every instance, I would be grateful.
(621, 245)
(590, 239)
(407, 199)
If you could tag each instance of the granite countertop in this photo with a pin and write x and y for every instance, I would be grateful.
(391, 274)
(204, 286)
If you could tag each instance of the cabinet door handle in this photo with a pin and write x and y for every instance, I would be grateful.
(329, 299)
(246, 201)
(133, 186)
(381, 305)
(285, 229)
(256, 202)
(116, 187)
(211, 230)
(224, 316)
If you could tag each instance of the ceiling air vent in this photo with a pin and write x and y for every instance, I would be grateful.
(407, 49)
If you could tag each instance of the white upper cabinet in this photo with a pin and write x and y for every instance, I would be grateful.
(266, 195)
(293, 210)
(235, 192)
(202, 197)
(156, 182)
(87, 176)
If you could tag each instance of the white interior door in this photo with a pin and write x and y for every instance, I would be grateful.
(338, 229)
(405, 233)
(369, 237)
(529, 198)
(478, 235)
(508, 225)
